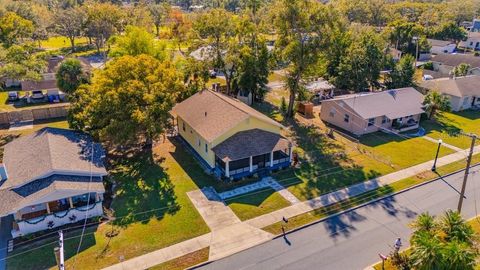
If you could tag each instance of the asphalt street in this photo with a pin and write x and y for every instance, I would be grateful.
(354, 239)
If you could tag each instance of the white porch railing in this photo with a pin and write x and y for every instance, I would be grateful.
(57, 219)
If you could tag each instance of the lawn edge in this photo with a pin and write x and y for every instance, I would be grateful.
(345, 211)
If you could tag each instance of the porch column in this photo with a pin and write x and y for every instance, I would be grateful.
(227, 169)
(48, 208)
(97, 197)
(290, 154)
(251, 164)
(271, 159)
(70, 201)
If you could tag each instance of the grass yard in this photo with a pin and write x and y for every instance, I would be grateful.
(185, 261)
(317, 214)
(449, 124)
(256, 203)
(275, 77)
(59, 42)
(152, 210)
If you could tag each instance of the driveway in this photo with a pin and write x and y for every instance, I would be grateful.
(5, 235)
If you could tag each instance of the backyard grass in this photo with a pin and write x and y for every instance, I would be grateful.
(151, 208)
(54, 43)
(257, 203)
(448, 125)
(220, 80)
(397, 186)
(275, 77)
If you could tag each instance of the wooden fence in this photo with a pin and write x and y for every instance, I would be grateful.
(31, 114)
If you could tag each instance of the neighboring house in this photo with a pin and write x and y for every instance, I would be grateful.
(445, 63)
(475, 26)
(472, 42)
(441, 46)
(229, 138)
(51, 178)
(464, 92)
(49, 81)
(398, 110)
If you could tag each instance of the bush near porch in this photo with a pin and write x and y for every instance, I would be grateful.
(448, 124)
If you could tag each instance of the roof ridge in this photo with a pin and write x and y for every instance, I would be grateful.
(49, 147)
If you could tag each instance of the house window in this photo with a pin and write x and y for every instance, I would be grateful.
(332, 112)
(371, 122)
(183, 126)
(465, 101)
(206, 148)
(199, 142)
(384, 120)
(346, 118)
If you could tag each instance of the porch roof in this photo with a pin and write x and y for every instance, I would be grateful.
(34, 192)
(248, 143)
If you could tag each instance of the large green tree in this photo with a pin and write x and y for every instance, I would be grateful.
(21, 63)
(402, 74)
(137, 41)
(70, 23)
(14, 28)
(129, 101)
(301, 27)
(359, 69)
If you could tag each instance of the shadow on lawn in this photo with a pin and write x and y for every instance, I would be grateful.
(325, 164)
(442, 125)
(469, 114)
(144, 189)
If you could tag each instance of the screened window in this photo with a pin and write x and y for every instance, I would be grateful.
(346, 118)
(371, 122)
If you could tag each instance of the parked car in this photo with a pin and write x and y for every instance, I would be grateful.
(37, 94)
(13, 96)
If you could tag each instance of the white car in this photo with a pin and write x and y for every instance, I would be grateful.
(13, 95)
(37, 94)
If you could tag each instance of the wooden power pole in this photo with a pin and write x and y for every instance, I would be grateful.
(467, 171)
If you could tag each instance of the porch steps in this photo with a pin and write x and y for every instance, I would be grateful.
(10, 245)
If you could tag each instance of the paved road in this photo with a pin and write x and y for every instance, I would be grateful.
(354, 239)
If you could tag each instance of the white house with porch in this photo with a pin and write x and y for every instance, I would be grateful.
(51, 178)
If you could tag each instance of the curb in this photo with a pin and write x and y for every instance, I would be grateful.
(343, 212)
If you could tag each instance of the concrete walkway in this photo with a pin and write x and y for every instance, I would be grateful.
(454, 148)
(229, 235)
(267, 182)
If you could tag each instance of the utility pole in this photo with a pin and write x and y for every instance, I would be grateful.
(467, 171)
(59, 254)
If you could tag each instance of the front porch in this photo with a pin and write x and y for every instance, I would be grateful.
(56, 213)
(251, 152)
(403, 124)
(245, 167)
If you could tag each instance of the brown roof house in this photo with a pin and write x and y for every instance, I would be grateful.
(394, 110)
(445, 63)
(230, 138)
(50, 178)
(464, 92)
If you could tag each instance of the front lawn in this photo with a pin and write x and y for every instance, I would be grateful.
(256, 203)
(152, 211)
(59, 42)
(448, 125)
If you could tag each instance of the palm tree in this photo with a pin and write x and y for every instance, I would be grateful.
(435, 102)
(424, 223)
(426, 252)
(459, 256)
(455, 228)
(461, 70)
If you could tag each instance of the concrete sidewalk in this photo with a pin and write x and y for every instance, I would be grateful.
(230, 235)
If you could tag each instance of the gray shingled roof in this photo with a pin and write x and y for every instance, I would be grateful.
(439, 43)
(250, 143)
(13, 199)
(211, 114)
(459, 87)
(51, 151)
(454, 60)
(393, 103)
